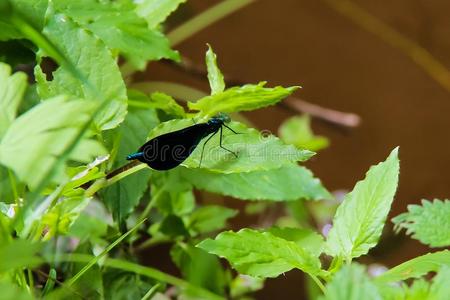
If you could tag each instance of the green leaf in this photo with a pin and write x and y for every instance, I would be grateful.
(261, 254)
(199, 268)
(440, 289)
(59, 218)
(124, 195)
(416, 267)
(156, 11)
(215, 77)
(167, 104)
(93, 59)
(351, 283)
(288, 183)
(120, 28)
(243, 284)
(120, 285)
(18, 254)
(254, 152)
(10, 291)
(209, 218)
(428, 223)
(244, 98)
(360, 218)
(37, 138)
(303, 237)
(297, 131)
(12, 89)
(172, 194)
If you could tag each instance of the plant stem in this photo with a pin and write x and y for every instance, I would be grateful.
(318, 282)
(205, 19)
(95, 259)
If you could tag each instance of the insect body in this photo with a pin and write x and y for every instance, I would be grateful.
(169, 150)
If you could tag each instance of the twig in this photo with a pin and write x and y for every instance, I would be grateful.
(294, 104)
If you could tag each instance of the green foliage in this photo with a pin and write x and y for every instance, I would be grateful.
(287, 183)
(130, 35)
(297, 131)
(123, 196)
(34, 140)
(360, 218)
(18, 254)
(428, 223)
(215, 77)
(261, 254)
(245, 98)
(68, 196)
(351, 283)
(12, 89)
(156, 11)
(92, 59)
(416, 267)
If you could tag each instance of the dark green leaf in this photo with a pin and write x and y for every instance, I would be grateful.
(209, 218)
(199, 268)
(124, 195)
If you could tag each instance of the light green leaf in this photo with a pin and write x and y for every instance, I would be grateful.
(120, 28)
(167, 104)
(429, 223)
(351, 283)
(440, 289)
(37, 138)
(156, 11)
(215, 77)
(261, 254)
(416, 267)
(11, 291)
(288, 183)
(18, 254)
(254, 151)
(244, 98)
(209, 218)
(297, 131)
(59, 218)
(12, 89)
(360, 218)
(303, 237)
(93, 59)
(124, 195)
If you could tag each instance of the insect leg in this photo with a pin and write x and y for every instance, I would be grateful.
(220, 141)
(203, 148)
(231, 129)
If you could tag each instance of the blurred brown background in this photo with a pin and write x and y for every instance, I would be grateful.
(344, 67)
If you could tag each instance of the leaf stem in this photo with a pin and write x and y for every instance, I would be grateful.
(318, 282)
(95, 259)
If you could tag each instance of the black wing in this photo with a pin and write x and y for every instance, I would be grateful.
(167, 151)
